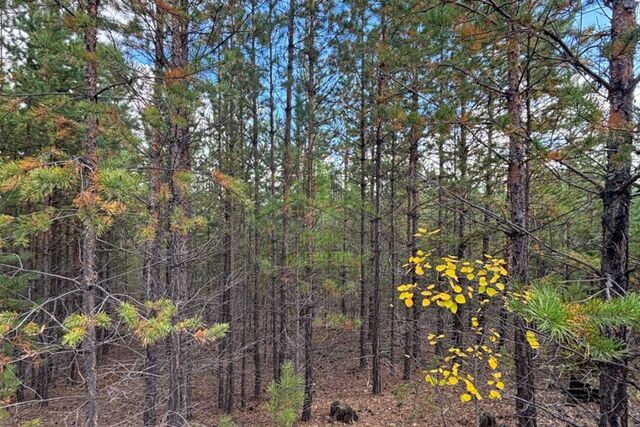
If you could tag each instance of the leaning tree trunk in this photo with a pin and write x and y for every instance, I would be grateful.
(616, 200)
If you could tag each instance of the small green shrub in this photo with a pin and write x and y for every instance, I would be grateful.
(226, 421)
(286, 397)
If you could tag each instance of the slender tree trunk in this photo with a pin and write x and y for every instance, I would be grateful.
(43, 369)
(614, 281)
(178, 268)
(309, 300)
(230, 214)
(345, 230)
(394, 257)
(439, 350)
(375, 332)
(89, 239)
(285, 280)
(363, 188)
(488, 193)
(518, 238)
(272, 190)
(152, 256)
(463, 152)
(257, 362)
(412, 318)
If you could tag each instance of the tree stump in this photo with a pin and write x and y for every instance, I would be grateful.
(487, 420)
(343, 413)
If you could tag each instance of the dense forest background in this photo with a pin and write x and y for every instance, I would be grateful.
(422, 209)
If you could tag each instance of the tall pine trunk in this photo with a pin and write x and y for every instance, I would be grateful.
(616, 197)
(179, 210)
(412, 318)
(89, 239)
(375, 327)
(257, 361)
(286, 280)
(153, 247)
(362, 353)
(463, 153)
(309, 299)
(518, 237)
(272, 191)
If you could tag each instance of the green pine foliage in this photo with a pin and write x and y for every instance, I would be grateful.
(156, 321)
(579, 323)
(286, 397)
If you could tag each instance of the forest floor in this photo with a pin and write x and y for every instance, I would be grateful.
(337, 377)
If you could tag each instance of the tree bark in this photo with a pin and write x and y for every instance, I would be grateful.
(616, 199)
(285, 280)
(89, 239)
(463, 153)
(309, 299)
(179, 208)
(363, 188)
(375, 330)
(412, 318)
(518, 238)
(257, 362)
(153, 255)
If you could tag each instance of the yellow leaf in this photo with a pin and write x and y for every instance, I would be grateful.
(500, 385)
(494, 394)
(465, 398)
(533, 341)
(452, 380)
(493, 363)
(408, 302)
(491, 292)
(443, 296)
(454, 307)
(426, 302)
(460, 299)
(419, 271)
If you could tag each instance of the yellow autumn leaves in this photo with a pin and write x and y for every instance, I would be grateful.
(459, 281)
(478, 278)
